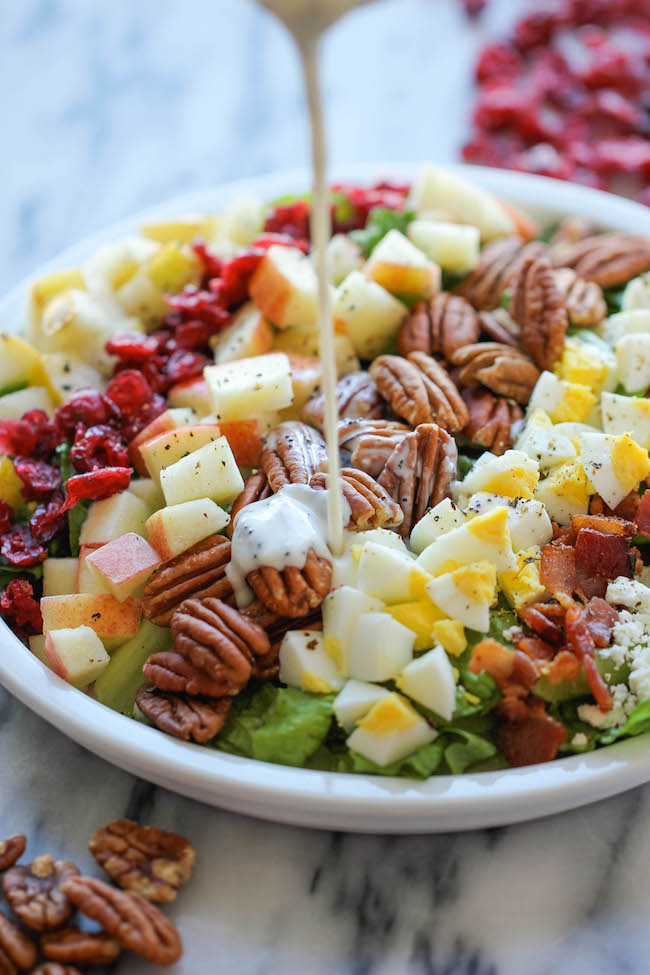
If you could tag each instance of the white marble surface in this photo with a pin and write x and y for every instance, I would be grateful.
(110, 107)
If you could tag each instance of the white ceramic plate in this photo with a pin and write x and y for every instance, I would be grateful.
(362, 803)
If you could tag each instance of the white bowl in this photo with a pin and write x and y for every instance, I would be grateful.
(361, 803)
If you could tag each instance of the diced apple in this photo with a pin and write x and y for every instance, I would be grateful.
(60, 576)
(340, 611)
(284, 287)
(112, 517)
(77, 655)
(169, 270)
(14, 405)
(87, 580)
(17, 359)
(436, 188)
(305, 341)
(168, 420)
(164, 450)
(343, 256)
(401, 268)
(46, 288)
(245, 441)
(369, 313)
(306, 379)
(355, 700)
(440, 519)
(112, 621)
(430, 681)
(64, 374)
(241, 390)
(305, 664)
(112, 265)
(180, 231)
(172, 530)
(209, 472)
(124, 564)
(454, 247)
(193, 393)
(242, 220)
(249, 334)
(11, 487)
(380, 647)
(148, 491)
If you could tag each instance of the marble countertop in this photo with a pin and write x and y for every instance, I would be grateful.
(108, 108)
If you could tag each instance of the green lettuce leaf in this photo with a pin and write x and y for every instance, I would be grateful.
(420, 764)
(76, 518)
(638, 723)
(8, 572)
(380, 221)
(467, 750)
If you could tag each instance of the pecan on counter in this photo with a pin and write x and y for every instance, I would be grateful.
(608, 259)
(367, 444)
(145, 859)
(71, 946)
(356, 397)
(584, 300)
(16, 949)
(11, 850)
(420, 390)
(539, 309)
(256, 488)
(504, 370)
(191, 718)
(370, 505)
(439, 326)
(498, 266)
(490, 420)
(419, 471)
(292, 452)
(134, 921)
(34, 892)
(53, 968)
(197, 572)
(293, 592)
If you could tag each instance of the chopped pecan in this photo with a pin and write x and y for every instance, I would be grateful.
(292, 452)
(197, 572)
(439, 326)
(419, 389)
(35, 892)
(499, 326)
(53, 968)
(256, 488)
(490, 420)
(584, 300)
(538, 307)
(71, 946)
(419, 472)
(219, 642)
(16, 949)
(196, 718)
(11, 850)
(607, 259)
(133, 920)
(292, 591)
(499, 265)
(144, 859)
(367, 444)
(370, 505)
(267, 667)
(356, 397)
(506, 371)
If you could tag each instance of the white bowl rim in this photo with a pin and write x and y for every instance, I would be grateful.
(361, 803)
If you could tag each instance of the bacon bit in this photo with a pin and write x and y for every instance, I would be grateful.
(606, 524)
(639, 564)
(553, 611)
(494, 658)
(642, 517)
(582, 643)
(590, 584)
(565, 535)
(626, 509)
(607, 555)
(558, 570)
(601, 619)
(540, 623)
(535, 648)
(533, 739)
(565, 666)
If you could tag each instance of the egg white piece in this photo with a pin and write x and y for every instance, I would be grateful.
(391, 730)
(340, 611)
(614, 464)
(439, 520)
(528, 521)
(541, 441)
(633, 358)
(389, 575)
(565, 492)
(305, 664)
(631, 321)
(345, 567)
(355, 700)
(430, 680)
(483, 538)
(636, 293)
(590, 362)
(513, 475)
(561, 399)
(380, 647)
(627, 414)
(466, 594)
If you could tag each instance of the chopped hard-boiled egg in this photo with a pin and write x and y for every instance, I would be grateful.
(636, 293)
(513, 475)
(627, 414)
(634, 321)
(450, 634)
(522, 586)
(442, 518)
(484, 538)
(304, 663)
(355, 700)
(565, 492)
(388, 574)
(589, 363)
(340, 611)
(380, 647)
(391, 730)
(633, 359)
(418, 616)
(528, 521)
(345, 567)
(429, 680)
(540, 440)
(466, 593)
(614, 464)
(562, 400)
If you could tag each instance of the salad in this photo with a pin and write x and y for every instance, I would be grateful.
(164, 541)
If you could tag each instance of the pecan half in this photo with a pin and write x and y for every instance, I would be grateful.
(506, 371)
(538, 307)
(367, 444)
(268, 667)
(11, 850)
(439, 326)
(419, 472)
(370, 505)
(292, 591)
(490, 420)
(497, 268)
(74, 947)
(53, 968)
(16, 949)
(292, 452)
(195, 718)
(584, 300)
(419, 389)
(133, 920)
(144, 859)
(608, 259)
(35, 892)
(256, 488)
(170, 671)
(499, 327)
(199, 571)
(356, 397)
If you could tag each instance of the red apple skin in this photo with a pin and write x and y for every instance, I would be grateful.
(54, 659)
(244, 440)
(102, 612)
(124, 559)
(161, 424)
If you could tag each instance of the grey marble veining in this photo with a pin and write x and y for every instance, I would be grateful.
(111, 107)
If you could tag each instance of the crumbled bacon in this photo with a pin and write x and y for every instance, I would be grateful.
(642, 517)
(626, 509)
(537, 620)
(606, 524)
(534, 647)
(558, 570)
(564, 666)
(600, 618)
(583, 646)
(607, 555)
(532, 738)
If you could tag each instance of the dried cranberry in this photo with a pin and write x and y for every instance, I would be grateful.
(99, 446)
(96, 485)
(135, 422)
(40, 479)
(291, 219)
(153, 371)
(264, 241)
(87, 407)
(474, 8)
(538, 27)
(19, 548)
(131, 347)
(34, 435)
(20, 609)
(6, 513)
(497, 62)
(129, 390)
(210, 263)
(204, 305)
(232, 287)
(192, 335)
(183, 365)
(48, 520)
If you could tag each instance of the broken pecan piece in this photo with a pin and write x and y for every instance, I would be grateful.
(34, 892)
(133, 920)
(11, 850)
(419, 389)
(199, 571)
(490, 420)
(419, 472)
(196, 718)
(607, 259)
(356, 397)
(538, 307)
(268, 667)
(145, 859)
(584, 300)
(16, 949)
(499, 265)
(506, 371)
(439, 326)
(500, 327)
(292, 591)
(370, 505)
(292, 452)
(256, 488)
(53, 968)
(71, 946)
(367, 444)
